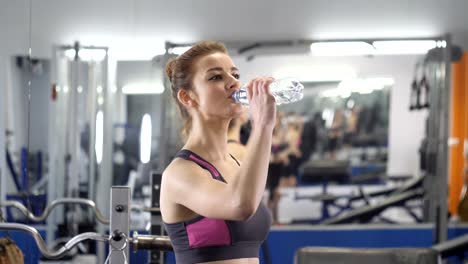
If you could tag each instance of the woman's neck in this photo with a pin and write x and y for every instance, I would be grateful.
(209, 139)
(234, 133)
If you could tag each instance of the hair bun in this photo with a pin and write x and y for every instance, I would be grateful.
(170, 68)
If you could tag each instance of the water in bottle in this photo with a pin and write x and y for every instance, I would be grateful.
(285, 91)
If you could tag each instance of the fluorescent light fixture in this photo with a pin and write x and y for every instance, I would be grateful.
(395, 47)
(99, 145)
(145, 139)
(336, 92)
(344, 48)
(57, 88)
(70, 54)
(324, 73)
(65, 89)
(143, 88)
(143, 50)
(179, 50)
(92, 54)
(100, 100)
(361, 86)
(386, 81)
(99, 89)
(79, 89)
(87, 54)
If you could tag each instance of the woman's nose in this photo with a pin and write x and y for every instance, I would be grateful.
(234, 84)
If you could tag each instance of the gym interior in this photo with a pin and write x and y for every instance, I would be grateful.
(370, 165)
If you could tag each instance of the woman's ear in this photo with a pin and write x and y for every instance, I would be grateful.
(186, 98)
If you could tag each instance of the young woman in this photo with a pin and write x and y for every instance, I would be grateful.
(210, 204)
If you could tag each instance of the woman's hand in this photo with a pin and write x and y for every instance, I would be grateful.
(262, 103)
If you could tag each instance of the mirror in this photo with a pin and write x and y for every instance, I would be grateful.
(350, 130)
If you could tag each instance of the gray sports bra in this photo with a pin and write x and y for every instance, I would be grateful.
(205, 239)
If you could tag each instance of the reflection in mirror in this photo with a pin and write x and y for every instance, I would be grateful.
(27, 110)
(340, 138)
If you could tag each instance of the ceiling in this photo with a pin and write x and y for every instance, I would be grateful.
(144, 24)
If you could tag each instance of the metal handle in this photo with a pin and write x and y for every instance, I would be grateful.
(150, 242)
(42, 245)
(52, 205)
(89, 203)
(138, 242)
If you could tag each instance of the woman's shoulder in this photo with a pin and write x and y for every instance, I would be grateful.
(181, 169)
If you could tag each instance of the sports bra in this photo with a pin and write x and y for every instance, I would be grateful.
(204, 239)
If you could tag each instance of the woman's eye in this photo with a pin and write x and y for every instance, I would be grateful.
(217, 77)
(236, 75)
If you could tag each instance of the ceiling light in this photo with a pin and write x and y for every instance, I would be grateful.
(87, 54)
(145, 139)
(99, 145)
(70, 54)
(92, 54)
(136, 53)
(179, 50)
(143, 88)
(324, 73)
(395, 47)
(344, 48)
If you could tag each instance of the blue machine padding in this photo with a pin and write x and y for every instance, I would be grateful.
(27, 245)
(14, 175)
(284, 243)
(35, 203)
(367, 169)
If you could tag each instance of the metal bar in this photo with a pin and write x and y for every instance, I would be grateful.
(431, 184)
(151, 242)
(156, 257)
(453, 247)
(54, 204)
(2, 133)
(11, 166)
(366, 213)
(119, 223)
(92, 132)
(104, 176)
(442, 162)
(41, 244)
(138, 242)
(250, 47)
(53, 149)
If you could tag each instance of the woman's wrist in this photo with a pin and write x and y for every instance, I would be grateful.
(263, 128)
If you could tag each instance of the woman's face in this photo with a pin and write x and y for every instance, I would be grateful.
(215, 79)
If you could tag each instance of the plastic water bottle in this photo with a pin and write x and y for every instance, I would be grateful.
(285, 91)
